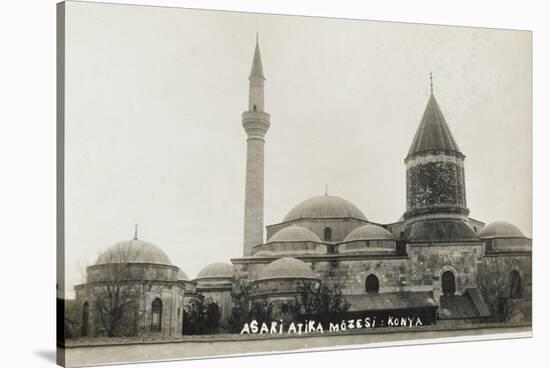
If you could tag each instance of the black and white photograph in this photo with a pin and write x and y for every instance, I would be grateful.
(250, 183)
(273, 183)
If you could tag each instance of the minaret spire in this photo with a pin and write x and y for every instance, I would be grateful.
(135, 232)
(256, 123)
(256, 78)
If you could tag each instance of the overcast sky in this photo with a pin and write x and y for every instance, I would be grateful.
(154, 98)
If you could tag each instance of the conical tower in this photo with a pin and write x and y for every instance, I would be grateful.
(435, 171)
(256, 123)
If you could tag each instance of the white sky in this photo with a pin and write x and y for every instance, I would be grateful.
(154, 136)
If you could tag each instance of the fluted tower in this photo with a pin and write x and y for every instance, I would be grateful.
(435, 171)
(255, 123)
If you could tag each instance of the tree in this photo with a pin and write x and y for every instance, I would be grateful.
(495, 283)
(201, 317)
(117, 299)
(323, 304)
(245, 310)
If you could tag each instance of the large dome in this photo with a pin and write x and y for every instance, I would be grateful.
(216, 270)
(369, 232)
(133, 251)
(286, 268)
(324, 207)
(182, 276)
(500, 229)
(294, 233)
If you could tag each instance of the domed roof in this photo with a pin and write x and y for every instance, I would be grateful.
(369, 232)
(216, 270)
(285, 268)
(324, 207)
(182, 276)
(500, 229)
(133, 251)
(294, 233)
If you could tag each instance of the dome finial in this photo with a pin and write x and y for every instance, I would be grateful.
(135, 232)
(431, 84)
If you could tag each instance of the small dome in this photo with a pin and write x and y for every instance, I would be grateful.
(287, 268)
(500, 229)
(216, 270)
(182, 276)
(294, 233)
(133, 251)
(369, 232)
(324, 207)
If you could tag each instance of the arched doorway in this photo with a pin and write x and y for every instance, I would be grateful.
(371, 284)
(448, 283)
(85, 323)
(156, 314)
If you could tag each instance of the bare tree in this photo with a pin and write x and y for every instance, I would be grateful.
(115, 294)
(495, 283)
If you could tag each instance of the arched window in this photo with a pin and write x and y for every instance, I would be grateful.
(254, 108)
(515, 285)
(156, 312)
(371, 284)
(328, 234)
(448, 284)
(85, 324)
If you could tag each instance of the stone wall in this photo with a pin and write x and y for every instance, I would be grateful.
(171, 295)
(428, 262)
(290, 248)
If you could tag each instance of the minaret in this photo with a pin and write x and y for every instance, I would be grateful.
(255, 123)
(435, 170)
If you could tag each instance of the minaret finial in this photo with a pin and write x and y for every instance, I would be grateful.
(326, 189)
(257, 37)
(135, 232)
(431, 84)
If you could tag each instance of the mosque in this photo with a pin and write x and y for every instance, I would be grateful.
(427, 263)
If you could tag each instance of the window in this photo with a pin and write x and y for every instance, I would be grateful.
(372, 285)
(254, 108)
(448, 283)
(84, 326)
(156, 312)
(515, 285)
(328, 234)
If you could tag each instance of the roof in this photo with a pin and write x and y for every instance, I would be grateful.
(433, 133)
(285, 268)
(257, 69)
(369, 232)
(500, 229)
(294, 233)
(216, 270)
(390, 301)
(133, 251)
(440, 231)
(324, 207)
(469, 305)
